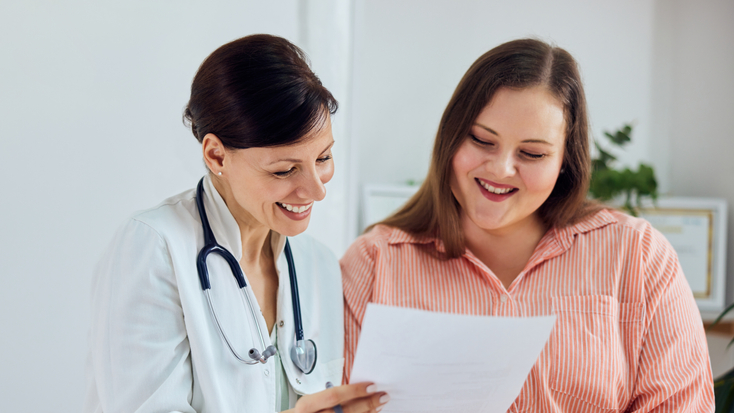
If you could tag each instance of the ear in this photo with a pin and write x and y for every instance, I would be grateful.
(214, 153)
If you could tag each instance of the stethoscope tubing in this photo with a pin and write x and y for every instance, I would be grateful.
(224, 336)
(211, 246)
(297, 321)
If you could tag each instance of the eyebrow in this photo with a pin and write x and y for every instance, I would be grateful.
(493, 132)
(293, 160)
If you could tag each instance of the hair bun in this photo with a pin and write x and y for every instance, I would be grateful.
(188, 120)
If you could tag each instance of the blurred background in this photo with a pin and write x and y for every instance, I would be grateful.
(92, 92)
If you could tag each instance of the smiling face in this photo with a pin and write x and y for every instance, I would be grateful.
(273, 187)
(508, 165)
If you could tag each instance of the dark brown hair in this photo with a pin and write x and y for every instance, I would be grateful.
(257, 91)
(518, 64)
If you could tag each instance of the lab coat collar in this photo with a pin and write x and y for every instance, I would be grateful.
(225, 227)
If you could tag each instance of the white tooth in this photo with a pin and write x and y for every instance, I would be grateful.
(494, 190)
(289, 207)
(300, 209)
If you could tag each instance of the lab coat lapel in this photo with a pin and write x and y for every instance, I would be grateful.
(223, 224)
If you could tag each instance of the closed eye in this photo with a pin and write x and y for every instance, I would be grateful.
(283, 174)
(479, 141)
(533, 155)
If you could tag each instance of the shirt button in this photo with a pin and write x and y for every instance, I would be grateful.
(266, 372)
(298, 381)
(281, 323)
(503, 299)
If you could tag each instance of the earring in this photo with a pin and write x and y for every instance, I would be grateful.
(219, 173)
(562, 171)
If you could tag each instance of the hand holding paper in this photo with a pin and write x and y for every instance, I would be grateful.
(438, 362)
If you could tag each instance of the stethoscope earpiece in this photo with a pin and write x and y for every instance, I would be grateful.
(262, 358)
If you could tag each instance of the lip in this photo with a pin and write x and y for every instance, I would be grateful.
(492, 196)
(296, 216)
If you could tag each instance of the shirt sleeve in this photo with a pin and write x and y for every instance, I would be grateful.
(358, 275)
(140, 357)
(674, 370)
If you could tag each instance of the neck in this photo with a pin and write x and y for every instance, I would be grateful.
(255, 236)
(507, 251)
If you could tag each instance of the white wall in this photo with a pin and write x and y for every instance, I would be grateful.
(411, 54)
(694, 102)
(91, 96)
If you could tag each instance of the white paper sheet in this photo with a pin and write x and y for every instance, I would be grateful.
(446, 363)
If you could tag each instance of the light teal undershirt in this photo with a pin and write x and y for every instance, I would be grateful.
(282, 386)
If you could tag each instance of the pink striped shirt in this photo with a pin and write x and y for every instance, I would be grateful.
(628, 336)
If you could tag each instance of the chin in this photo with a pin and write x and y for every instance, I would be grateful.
(292, 230)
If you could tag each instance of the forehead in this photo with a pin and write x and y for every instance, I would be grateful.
(532, 113)
(309, 147)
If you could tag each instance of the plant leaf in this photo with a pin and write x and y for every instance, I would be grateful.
(621, 136)
(723, 313)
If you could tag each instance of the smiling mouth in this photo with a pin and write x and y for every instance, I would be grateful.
(493, 190)
(294, 208)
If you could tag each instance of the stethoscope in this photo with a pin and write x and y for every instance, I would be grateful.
(303, 352)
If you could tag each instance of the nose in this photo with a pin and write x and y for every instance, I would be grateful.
(312, 185)
(502, 165)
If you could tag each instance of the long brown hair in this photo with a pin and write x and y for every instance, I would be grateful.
(518, 64)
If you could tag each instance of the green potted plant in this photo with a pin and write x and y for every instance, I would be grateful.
(609, 183)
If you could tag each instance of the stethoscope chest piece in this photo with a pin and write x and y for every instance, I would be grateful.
(303, 355)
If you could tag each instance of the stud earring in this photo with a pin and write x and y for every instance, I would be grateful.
(219, 173)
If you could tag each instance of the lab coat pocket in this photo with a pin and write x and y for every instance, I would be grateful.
(589, 349)
(333, 371)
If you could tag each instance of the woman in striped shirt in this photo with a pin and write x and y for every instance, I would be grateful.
(502, 227)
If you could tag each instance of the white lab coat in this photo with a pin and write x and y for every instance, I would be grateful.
(153, 344)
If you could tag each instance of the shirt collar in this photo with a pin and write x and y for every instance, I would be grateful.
(225, 227)
(566, 236)
(398, 236)
(555, 241)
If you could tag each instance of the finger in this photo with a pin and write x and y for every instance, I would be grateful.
(340, 395)
(366, 404)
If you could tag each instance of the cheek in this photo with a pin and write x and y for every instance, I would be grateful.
(464, 161)
(327, 173)
(542, 179)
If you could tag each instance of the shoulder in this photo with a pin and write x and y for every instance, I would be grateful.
(615, 233)
(152, 233)
(383, 244)
(383, 236)
(609, 224)
(172, 215)
(367, 244)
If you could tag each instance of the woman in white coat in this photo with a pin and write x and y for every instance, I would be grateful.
(157, 340)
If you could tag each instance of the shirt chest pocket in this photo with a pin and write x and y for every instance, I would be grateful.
(593, 349)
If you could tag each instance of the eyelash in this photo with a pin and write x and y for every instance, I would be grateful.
(532, 156)
(290, 171)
